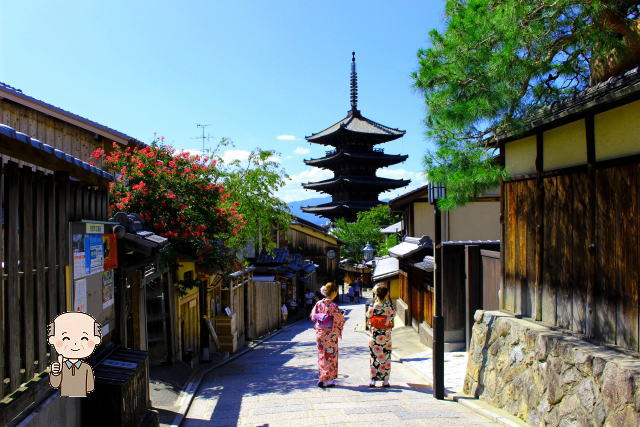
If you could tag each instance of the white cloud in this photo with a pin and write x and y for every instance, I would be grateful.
(301, 150)
(231, 155)
(310, 175)
(276, 159)
(293, 190)
(286, 137)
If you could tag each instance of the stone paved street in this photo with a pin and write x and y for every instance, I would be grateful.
(275, 385)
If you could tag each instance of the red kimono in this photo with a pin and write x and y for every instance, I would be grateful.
(327, 339)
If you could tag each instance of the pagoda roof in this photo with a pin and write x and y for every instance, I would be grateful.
(357, 180)
(337, 206)
(372, 157)
(356, 123)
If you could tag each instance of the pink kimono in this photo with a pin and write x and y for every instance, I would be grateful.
(327, 339)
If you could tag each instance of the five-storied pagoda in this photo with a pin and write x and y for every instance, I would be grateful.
(355, 186)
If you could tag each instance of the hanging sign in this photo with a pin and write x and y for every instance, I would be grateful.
(110, 251)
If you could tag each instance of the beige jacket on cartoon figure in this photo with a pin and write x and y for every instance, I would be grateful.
(74, 379)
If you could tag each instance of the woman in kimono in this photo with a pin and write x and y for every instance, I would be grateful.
(329, 321)
(380, 317)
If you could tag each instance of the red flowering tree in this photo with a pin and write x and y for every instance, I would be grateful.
(177, 196)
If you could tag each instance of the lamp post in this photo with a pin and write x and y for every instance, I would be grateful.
(437, 192)
(368, 252)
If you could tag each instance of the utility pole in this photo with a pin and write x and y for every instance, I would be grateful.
(203, 137)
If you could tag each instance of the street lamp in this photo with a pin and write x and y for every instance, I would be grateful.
(368, 252)
(437, 192)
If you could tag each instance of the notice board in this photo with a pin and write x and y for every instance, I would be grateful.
(94, 260)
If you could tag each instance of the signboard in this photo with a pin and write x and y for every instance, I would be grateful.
(95, 228)
(107, 289)
(110, 251)
(94, 254)
(80, 295)
(77, 248)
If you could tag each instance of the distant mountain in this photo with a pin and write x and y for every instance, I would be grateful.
(296, 209)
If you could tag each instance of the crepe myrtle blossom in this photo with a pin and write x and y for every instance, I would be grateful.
(176, 195)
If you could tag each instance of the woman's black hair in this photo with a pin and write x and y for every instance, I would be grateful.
(381, 292)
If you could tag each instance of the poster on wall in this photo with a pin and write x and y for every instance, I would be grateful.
(107, 289)
(80, 295)
(94, 253)
(77, 248)
(110, 251)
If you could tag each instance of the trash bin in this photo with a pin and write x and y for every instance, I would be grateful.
(121, 390)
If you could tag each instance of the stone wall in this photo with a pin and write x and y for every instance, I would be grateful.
(547, 377)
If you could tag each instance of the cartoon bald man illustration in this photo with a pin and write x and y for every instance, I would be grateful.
(75, 336)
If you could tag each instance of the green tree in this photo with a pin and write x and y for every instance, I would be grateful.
(251, 185)
(499, 61)
(365, 230)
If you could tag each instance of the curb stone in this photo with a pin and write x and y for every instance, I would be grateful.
(495, 414)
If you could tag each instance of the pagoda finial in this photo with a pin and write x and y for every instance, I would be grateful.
(354, 84)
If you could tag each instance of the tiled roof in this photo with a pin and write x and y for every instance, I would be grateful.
(17, 95)
(393, 228)
(385, 267)
(35, 144)
(372, 157)
(278, 256)
(410, 245)
(340, 205)
(355, 122)
(427, 264)
(358, 180)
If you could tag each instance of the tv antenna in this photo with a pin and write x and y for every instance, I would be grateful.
(203, 137)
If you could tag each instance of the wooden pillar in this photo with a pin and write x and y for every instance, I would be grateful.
(503, 236)
(12, 284)
(26, 256)
(473, 286)
(591, 227)
(62, 231)
(2, 286)
(539, 244)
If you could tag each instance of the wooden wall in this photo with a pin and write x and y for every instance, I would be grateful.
(584, 272)
(36, 209)
(314, 249)
(71, 139)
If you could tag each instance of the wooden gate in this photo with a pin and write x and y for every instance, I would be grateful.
(490, 279)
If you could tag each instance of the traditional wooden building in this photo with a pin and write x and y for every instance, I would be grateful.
(570, 270)
(477, 220)
(61, 129)
(315, 244)
(570, 207)
(354, 161)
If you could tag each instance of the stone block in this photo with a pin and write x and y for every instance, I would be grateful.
(587, 394)
(617, 387)
(478, 316)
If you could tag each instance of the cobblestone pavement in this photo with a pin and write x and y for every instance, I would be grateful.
(275, 385)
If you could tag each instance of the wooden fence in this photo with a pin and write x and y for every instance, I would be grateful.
(36, 209)
(264, 309)
(572, 245)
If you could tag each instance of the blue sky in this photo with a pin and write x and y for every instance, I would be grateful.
(262, 73)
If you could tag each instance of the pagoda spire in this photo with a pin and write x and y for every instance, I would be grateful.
(354, 84)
